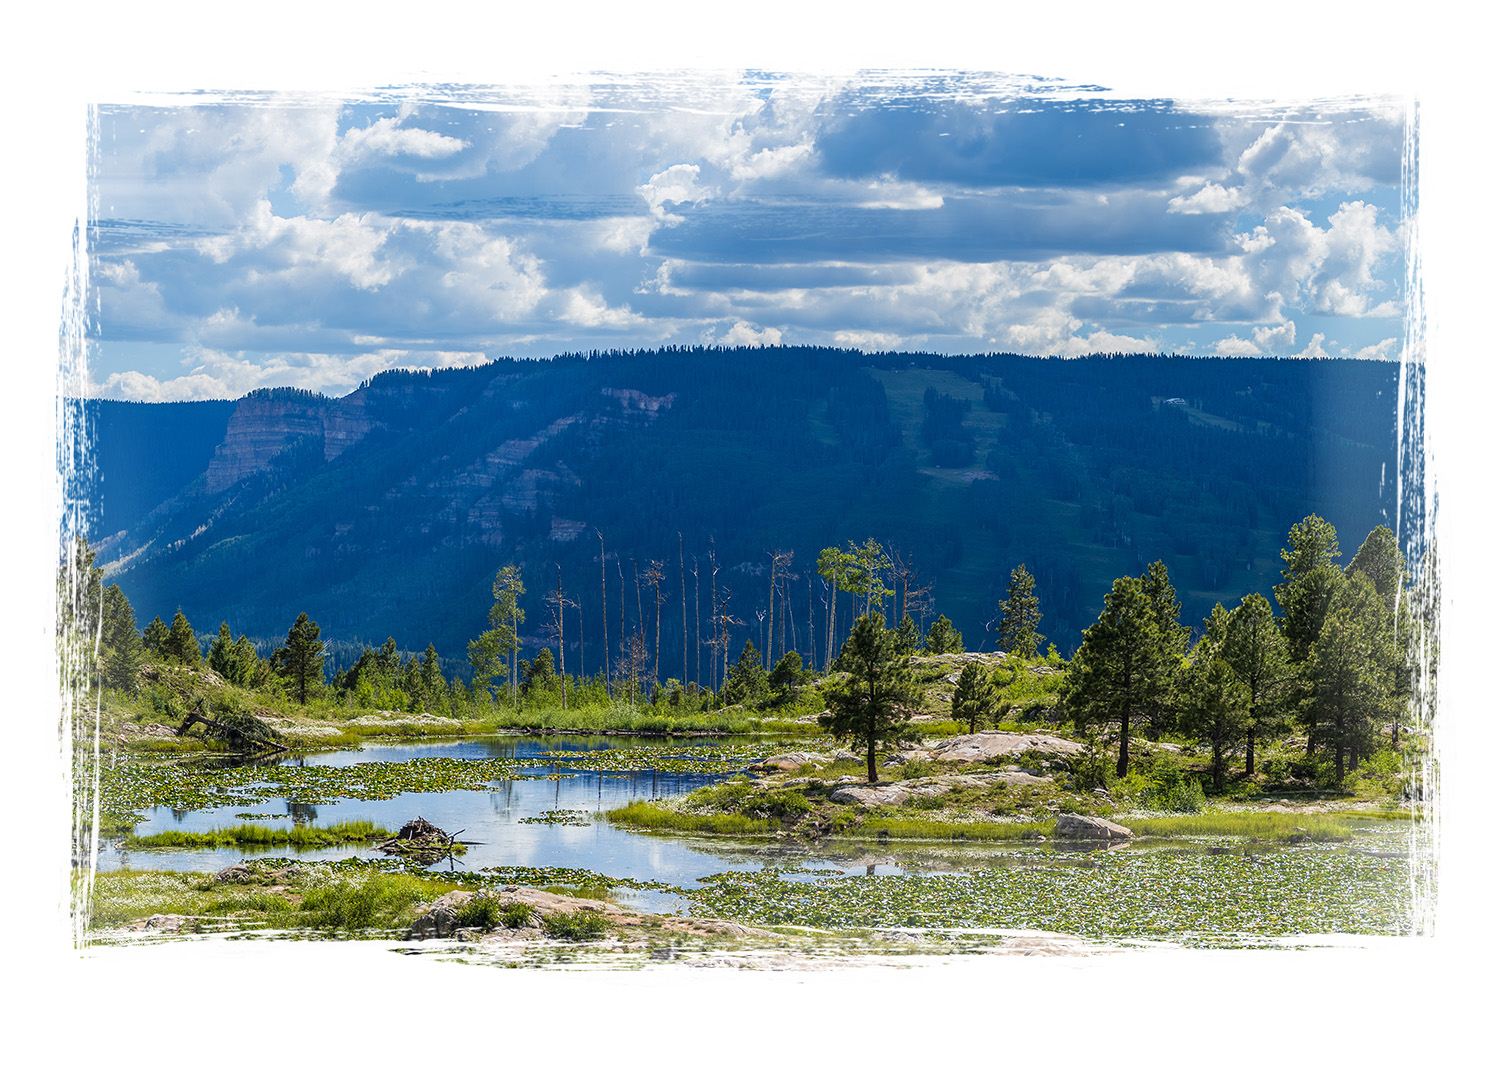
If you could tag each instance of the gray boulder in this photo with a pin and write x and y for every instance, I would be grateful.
(984, 745)
(1080, 827)
(871, 794)
(440, 919)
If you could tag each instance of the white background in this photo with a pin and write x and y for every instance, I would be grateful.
(1377, 1009)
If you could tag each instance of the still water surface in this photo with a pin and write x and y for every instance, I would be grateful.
(493, 820)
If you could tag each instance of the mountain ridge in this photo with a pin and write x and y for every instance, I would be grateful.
(387, 511)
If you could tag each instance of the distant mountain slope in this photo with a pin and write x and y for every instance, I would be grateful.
(148, 451)
(388, 511)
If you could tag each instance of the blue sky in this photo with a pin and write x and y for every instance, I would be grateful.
(316, 240)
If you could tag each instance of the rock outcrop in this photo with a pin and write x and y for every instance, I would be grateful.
(1081, 827)
(872, 794)
(982, 746)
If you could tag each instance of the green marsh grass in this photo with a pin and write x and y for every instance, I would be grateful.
(250, 835)
(364, 899)
(574, 925)
(377, 902)
(1276, 827)
(645, 815)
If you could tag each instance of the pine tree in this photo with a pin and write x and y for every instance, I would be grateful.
(538, 677)
(1171, 639)
(252, 670)
(747, 681)
(834, 565)
(1119, 671)
(119, 642)
(181, 645)
(495, 651)
(974, 696)
(1215, 705)
(786, 676)
(908, 637)
(1310, 579)
(1380, 560)
(433, 687)
(154, 638)
(1351, 690)
(300, 661)
(1257, 652)
(235, 661)
(942, 638)
(873, 706)
(1020, 612)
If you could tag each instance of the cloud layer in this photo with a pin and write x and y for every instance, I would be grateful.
(316, 242)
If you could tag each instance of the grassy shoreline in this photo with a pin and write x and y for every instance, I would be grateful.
(251, 835)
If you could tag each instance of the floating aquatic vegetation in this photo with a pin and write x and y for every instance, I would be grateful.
(558, 817)
(1196, 898)
(131, 786)
(662, 758)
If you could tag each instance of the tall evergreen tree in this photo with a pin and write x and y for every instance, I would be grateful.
(80, 589)
(1310, 579)
(866, 577)
(1215, 705)
(747, 680)
(942, 637)
(1120, 670)
(236, 661)
(154, 638)
(974, 696)
(1171, 639)
(786, 676)
(1257, 652)
(495, 651)
(874, 704)
(1380, 560)
(300, 661)
(835, 566)
(538, 677)
(908, 637)
(1020, 613)
(181, 645)
(119, 642)
(433, 688)
(1350, 688)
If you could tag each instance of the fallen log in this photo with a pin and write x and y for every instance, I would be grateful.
(230, 734)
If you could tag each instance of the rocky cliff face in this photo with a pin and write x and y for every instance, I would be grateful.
(263, 426)
(260, 429)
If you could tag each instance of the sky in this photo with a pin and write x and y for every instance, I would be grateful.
(249, 240)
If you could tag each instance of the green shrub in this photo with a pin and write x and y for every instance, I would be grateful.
(482, 912)
(516, 915)
(1164, 785)
(1092, 769)
(372, 903)
(915, 769)
(574, 925)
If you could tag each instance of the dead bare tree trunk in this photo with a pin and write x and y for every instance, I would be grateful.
(713, 598)
(560, 604)
(654, 577)
(682, 582)
(604, 614)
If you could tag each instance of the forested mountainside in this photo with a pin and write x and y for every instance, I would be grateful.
(389, 511)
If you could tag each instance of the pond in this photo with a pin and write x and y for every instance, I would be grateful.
(547, 813)
(539, 801)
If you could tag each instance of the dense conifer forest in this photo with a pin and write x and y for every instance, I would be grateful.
(686, 496)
